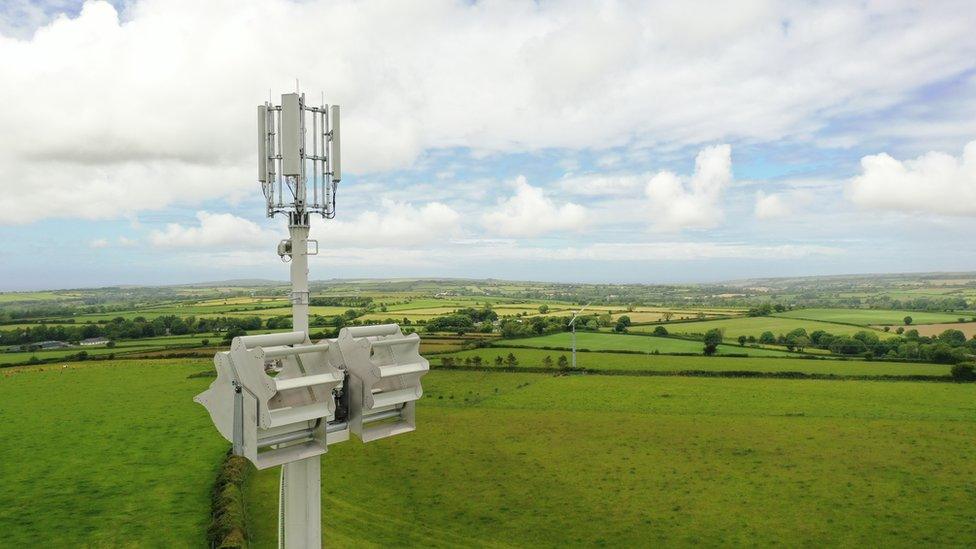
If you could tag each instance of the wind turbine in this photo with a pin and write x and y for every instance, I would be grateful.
(572, 324)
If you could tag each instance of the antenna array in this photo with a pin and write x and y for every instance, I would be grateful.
(288, 168)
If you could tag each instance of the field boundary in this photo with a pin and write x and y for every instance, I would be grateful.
(699, 373)
(228, 514)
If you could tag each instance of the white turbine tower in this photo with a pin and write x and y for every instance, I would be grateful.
(279, 398)
(572, 324)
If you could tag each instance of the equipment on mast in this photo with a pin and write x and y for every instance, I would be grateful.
(281, 399)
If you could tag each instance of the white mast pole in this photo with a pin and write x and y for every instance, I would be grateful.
(283, 163)
(300, 500)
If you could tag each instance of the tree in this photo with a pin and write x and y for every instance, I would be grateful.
(801, 342)
(563, 362)
(499, 361)
(511, 361)
(205, 342)
(234, 332)
(712, 338)
(900, 330)
(953, 337)
(767, 338)
(110, 344)
(667, 316)
(660, 331)
(846, 345)
(547, 362)
(742, 341)
(908, 320)
(543, 309)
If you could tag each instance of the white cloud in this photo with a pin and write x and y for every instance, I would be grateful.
(677, 205)
(464, 254)
(126, 241)
(157, 108)
(771, 206)
(395, 224)
(529, 212)
(783, 204)
(935, 182)
(215, 230)
(98, 243)
(602, 185)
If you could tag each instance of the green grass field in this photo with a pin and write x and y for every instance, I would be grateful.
(756, 325)
(865, 317)
(671, 363)
(112, 454)
(622, 342)
(535, 460)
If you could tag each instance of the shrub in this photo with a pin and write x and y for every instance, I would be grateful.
(963, 372)
(660, 331)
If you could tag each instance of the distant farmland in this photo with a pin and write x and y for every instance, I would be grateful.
(607, 361)
(756, 325)
(645, 344)
(866, 317)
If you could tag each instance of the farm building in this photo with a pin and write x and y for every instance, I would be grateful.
(53, 345)
(95, 341)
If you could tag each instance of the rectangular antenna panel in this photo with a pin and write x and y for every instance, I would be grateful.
(291, 135)
(335, 159)
(262, 143)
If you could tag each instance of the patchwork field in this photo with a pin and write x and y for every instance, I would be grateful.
(646, 344)
(112, 454)
(665, 459)
(670, 363)
(968, 328)
(866, 317)
(756, 325)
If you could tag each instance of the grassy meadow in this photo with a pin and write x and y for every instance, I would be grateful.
(679, 461)
(108, 454)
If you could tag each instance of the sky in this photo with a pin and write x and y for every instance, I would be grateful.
(573, 141)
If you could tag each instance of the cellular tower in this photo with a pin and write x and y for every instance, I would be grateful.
(279, 398)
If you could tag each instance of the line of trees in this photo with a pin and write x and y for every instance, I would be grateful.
(949, 347)
(135, 328)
